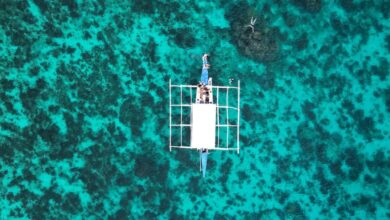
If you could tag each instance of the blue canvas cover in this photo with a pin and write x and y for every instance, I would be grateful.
(203, 157)
(205, 73)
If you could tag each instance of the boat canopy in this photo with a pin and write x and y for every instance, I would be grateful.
(203, 124)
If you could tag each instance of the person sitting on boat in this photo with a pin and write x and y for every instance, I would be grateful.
(204, 150)
(205, 73)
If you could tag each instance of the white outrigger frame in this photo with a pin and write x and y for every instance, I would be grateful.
(218, 125)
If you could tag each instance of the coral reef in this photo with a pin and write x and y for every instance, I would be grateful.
(84, 109)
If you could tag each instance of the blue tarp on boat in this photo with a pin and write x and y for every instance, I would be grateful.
(203, 157)
(205, 73)
(205, 76)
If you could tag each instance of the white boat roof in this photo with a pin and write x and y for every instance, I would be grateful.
(203, 124)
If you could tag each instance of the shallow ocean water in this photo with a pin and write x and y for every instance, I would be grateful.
(84, 109)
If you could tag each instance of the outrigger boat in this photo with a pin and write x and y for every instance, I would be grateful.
(205, 117)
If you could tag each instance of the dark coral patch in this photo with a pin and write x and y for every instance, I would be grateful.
(366, 202)
(7, 102)
(387, 40)
(72, 7)
(132, 115)
(52, 30)
(309, 5)
(164, 205)
(365, 124)
(382, 70)
(308, 110)
(246, 112)
(387, 99)
(42, 4)
(144, 6)
(258, 42)
(258, 45)
(379, 162)
(289, 19)
(225, 168)
(8, 152)
(7, 84)
(93, 180)
(183, 37)
(348, 5)
(326, 186)
(29, 98)
(49, 134)
(71, 203)
(267, 80)
(147, 167)
(294, 210)
(307, 138)
(186, 159)
(120, 214)
(335, 84)
(355, 163)
(302, 42)
(73, 124)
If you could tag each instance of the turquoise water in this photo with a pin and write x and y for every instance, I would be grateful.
(84, 109)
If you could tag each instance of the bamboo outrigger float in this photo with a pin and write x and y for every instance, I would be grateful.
(205, 117)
